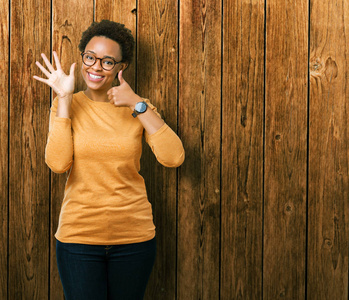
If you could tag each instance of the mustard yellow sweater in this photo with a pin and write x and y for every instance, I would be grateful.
(105, 200)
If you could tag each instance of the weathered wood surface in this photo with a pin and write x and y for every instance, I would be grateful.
(200, 127)
(285, 173)
(256, 89)
(242, 150)
(4, 93)
(29, 177)
(157, 65)
(328, 152)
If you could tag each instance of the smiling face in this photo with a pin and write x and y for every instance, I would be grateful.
(97, 79)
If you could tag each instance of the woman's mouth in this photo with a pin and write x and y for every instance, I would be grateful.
(94, 77)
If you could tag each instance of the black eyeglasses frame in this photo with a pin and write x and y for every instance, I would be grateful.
(101, 60)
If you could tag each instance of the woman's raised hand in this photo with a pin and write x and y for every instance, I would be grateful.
(123, 95)
(62, 84)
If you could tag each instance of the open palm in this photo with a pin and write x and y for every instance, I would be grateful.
(61, 83)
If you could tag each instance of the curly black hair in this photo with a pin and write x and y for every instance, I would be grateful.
(111, 30)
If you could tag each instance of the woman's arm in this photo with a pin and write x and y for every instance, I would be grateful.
(123, 95)
(166, 146)
(59, 147)
(149, 119)
(163, 141)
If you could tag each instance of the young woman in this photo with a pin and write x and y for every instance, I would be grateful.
(106, 237)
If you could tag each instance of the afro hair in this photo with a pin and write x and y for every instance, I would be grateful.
(111, 30)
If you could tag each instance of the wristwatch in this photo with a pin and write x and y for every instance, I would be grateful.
(140, 108)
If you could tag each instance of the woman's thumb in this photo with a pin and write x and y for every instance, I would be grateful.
(121, 79)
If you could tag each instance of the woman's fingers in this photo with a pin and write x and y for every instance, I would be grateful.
(47, 63)
(43, 70)
(40, 79)
(72, 68)
(56, 79)
(58, 63)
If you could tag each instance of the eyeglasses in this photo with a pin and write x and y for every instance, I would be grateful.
(107, 63)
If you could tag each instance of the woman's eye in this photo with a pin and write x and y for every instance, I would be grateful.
(108, 62)
(89, 57)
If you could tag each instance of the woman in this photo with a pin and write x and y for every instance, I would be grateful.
(106, 236)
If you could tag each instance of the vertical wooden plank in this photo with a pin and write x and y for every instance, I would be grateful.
(200, 126)
(29, 184)
(328, 151)
(4, 93)
(124, 12)
(157, 64)
(285, 149)
(67, 28)
(242, 149)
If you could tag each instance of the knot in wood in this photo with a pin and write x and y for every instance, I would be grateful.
(320, 67)
(327, 244)
(331, 69)
(282, 293)
(29, 58)
(316, 66)
(288, 208)
(66, 24)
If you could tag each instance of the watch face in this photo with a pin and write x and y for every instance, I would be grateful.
(140, 107)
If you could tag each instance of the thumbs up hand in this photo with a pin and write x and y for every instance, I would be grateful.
(123, 95)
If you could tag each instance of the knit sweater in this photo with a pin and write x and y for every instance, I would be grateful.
(105, 200)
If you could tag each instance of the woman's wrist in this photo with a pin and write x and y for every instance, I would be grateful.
(134, 101)
(66, 97)
(64, 106)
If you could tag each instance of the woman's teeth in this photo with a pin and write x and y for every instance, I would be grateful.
(95, 76)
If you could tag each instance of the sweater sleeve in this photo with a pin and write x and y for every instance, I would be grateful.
(165, 144)
(59, 146)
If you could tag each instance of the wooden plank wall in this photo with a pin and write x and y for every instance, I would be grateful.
(258, 92)
(285, 160)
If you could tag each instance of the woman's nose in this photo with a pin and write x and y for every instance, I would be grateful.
(97, 65)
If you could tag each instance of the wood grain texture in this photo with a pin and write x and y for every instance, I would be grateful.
(285, 150)
(67, 27)
(237, 219)
(29, 177)
(124, 12)
(329, 151)
(242, 149)
(200, 127)
(157, 66)
(4, 93)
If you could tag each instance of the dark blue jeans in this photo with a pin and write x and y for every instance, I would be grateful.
(105, 272)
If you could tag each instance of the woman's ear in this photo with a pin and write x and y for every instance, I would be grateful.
(124, 66)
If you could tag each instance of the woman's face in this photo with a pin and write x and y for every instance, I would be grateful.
(96, 78)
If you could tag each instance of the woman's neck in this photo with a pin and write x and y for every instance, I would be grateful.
(98, 96)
